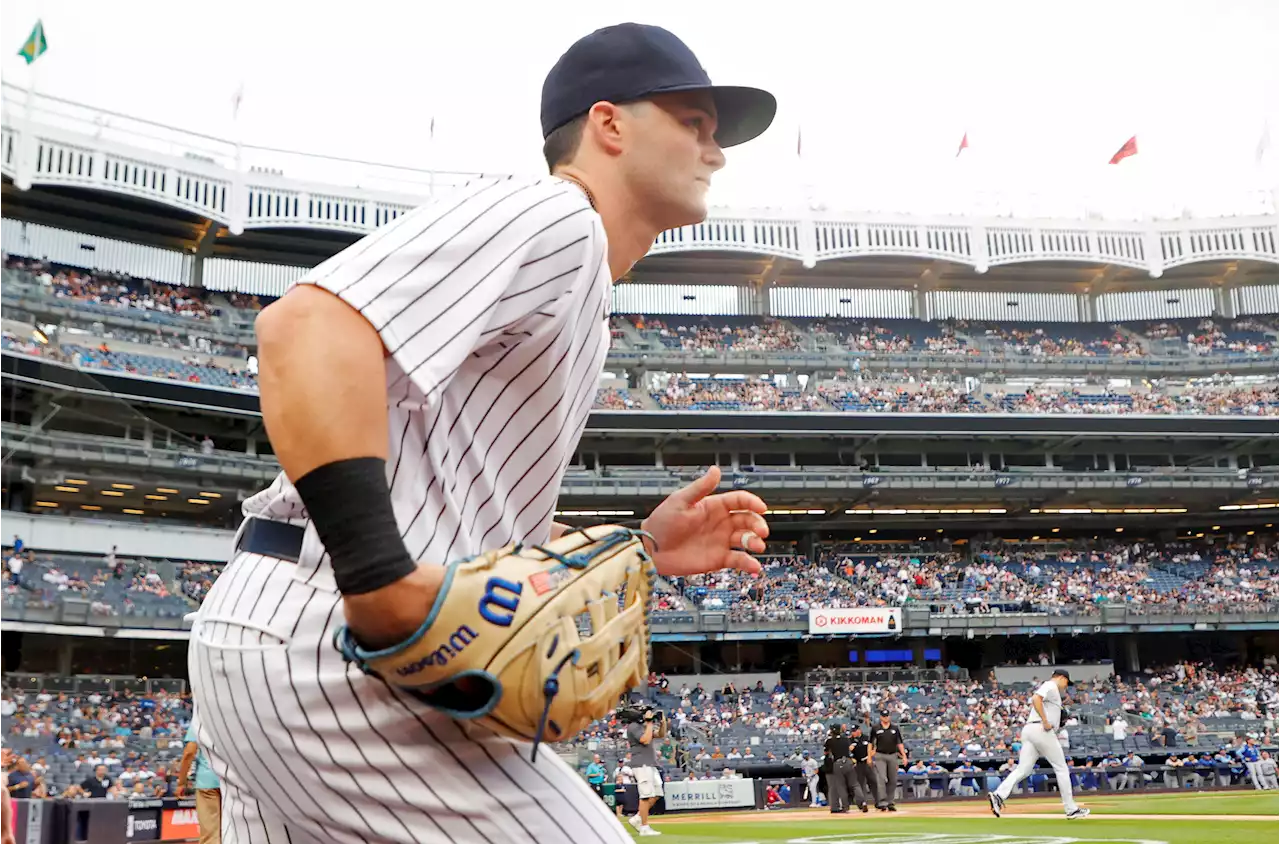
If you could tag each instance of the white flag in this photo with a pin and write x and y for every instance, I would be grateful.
(236, 99)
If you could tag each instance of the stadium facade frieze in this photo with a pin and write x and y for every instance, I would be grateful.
(43, 149)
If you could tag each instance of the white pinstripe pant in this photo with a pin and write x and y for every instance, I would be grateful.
(312, 751)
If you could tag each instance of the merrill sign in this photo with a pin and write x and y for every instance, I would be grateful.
(855, 620)
(709, 794)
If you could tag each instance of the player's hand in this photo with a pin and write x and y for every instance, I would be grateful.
(1048, 728)
(388, 616)
(697, 532)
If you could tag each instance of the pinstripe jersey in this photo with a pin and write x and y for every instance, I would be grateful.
(493, 306)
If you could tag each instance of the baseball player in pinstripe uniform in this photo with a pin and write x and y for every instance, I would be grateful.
(424, 391)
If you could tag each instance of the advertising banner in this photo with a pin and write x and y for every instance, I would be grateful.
(143, 824)
(709, 794)
(855, 620)
(179, 824)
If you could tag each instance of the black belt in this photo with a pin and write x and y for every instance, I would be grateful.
(271, 539)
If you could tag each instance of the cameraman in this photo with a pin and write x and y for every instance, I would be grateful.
(641, 737)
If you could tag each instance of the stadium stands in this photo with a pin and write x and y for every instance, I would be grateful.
(1182, 708)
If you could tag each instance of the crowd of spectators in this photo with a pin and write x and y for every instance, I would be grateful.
(1145, 578)
(1040, 342)
(1192, 401)
(615, 398)
(681, 392)
(766, 336)
(103, 743)
(1062, 579)
(113, 585)
(114, 289)
(878, 398)
(1248, 335)
(957, 721)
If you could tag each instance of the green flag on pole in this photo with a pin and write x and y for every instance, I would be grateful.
(35, 44)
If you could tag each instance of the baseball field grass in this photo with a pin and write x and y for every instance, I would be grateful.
(1192, 818)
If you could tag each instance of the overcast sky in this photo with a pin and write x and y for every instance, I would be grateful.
(1047, 91)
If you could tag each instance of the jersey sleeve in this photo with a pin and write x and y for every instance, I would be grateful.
(447, 279)
(1047, 690)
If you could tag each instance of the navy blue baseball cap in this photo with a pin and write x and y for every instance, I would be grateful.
(632, 61)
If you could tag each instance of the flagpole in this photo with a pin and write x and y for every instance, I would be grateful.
(431, 159)
(239, 194)
(27, 146)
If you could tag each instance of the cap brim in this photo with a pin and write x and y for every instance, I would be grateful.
(741, 113)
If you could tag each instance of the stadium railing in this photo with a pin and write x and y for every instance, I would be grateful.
(92, 450)
(87, 683)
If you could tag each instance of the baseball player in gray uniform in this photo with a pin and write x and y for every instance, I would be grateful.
(1040, 741)
(424, 391)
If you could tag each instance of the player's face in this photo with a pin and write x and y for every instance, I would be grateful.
(673, 155)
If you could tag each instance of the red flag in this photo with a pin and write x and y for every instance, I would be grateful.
(964, 144)
(1130, 148)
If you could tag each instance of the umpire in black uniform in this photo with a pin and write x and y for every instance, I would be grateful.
(889, 750)
(864, 778)
(841, 774)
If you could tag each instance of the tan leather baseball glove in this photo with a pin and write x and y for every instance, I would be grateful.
(531, 641)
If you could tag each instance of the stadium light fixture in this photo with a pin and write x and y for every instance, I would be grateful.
(211, 495)
(166, 490)
(76, 481)
(47, 504)
(197, 501)
(873, 530)
(157, 497)
(1055, 530)
(67, 488)
(90, 507)
(1119, 530)
(902, 511)
(1217, 527)
(133, 512)
(122, 486)
(113, 492)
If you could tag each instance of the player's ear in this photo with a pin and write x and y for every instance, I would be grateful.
(607, 126)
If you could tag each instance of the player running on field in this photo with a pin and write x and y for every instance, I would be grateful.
(425, 390)
(1040, 741)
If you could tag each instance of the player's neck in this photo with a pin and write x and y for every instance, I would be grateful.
(630, 235)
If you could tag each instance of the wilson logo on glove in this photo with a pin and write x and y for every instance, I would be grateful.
(441, 655)
(572, 645)
(510, 602)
